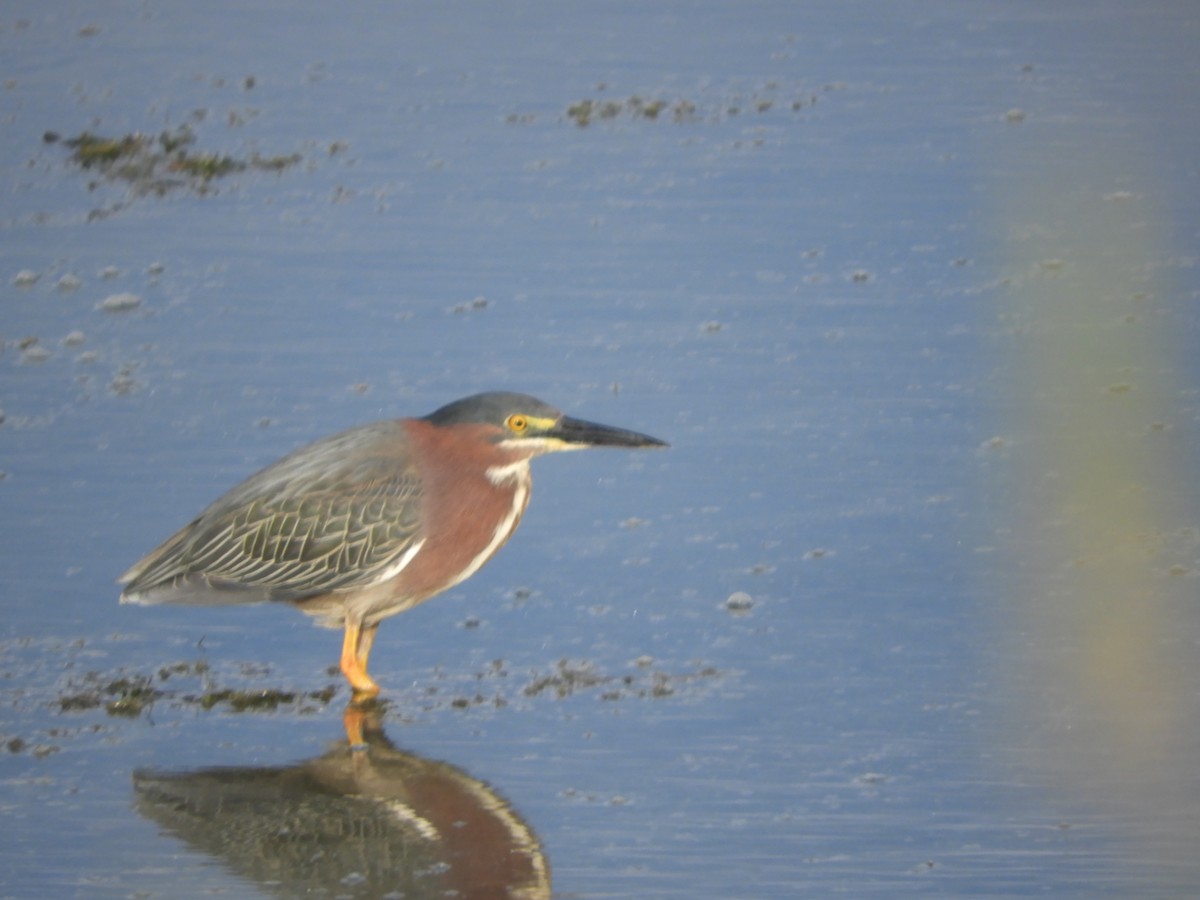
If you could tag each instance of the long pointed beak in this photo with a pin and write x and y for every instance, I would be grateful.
(579, 433)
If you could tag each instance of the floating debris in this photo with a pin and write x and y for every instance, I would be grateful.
(68, 283)
(25, 278)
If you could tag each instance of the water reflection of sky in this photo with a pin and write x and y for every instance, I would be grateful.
(889, 333)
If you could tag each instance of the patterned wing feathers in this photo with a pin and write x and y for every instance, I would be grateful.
(333, 516)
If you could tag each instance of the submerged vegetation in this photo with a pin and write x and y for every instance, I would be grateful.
(158, 165)
(130, 695)
(121, 696)
(770, 96)
(583, 112)
(95, 701)
(193, 685)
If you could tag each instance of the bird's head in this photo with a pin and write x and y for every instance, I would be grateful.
(526, 427)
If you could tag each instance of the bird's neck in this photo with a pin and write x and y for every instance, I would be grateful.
(510, 473)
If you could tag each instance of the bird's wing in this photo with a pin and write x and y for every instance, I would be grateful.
(338, 514)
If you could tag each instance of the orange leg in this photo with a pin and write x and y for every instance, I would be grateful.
(352, 719)
(356, 647)
(366, 640)
(362, 719)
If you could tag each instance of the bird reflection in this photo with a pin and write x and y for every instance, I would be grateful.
(367, 821)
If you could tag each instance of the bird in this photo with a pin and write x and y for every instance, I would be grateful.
(367, 523)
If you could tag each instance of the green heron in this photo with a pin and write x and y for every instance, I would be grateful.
(369, 522)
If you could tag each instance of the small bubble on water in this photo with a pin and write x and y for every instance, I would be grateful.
(115, 303)
(739, 602)
(35, 354)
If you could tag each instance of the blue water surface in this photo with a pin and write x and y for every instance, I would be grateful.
(833, 269)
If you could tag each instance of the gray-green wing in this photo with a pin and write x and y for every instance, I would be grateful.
(336, 515)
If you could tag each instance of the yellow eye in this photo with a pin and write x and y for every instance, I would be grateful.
(517, 423)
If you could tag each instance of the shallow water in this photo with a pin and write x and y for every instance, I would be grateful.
(910, 288)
